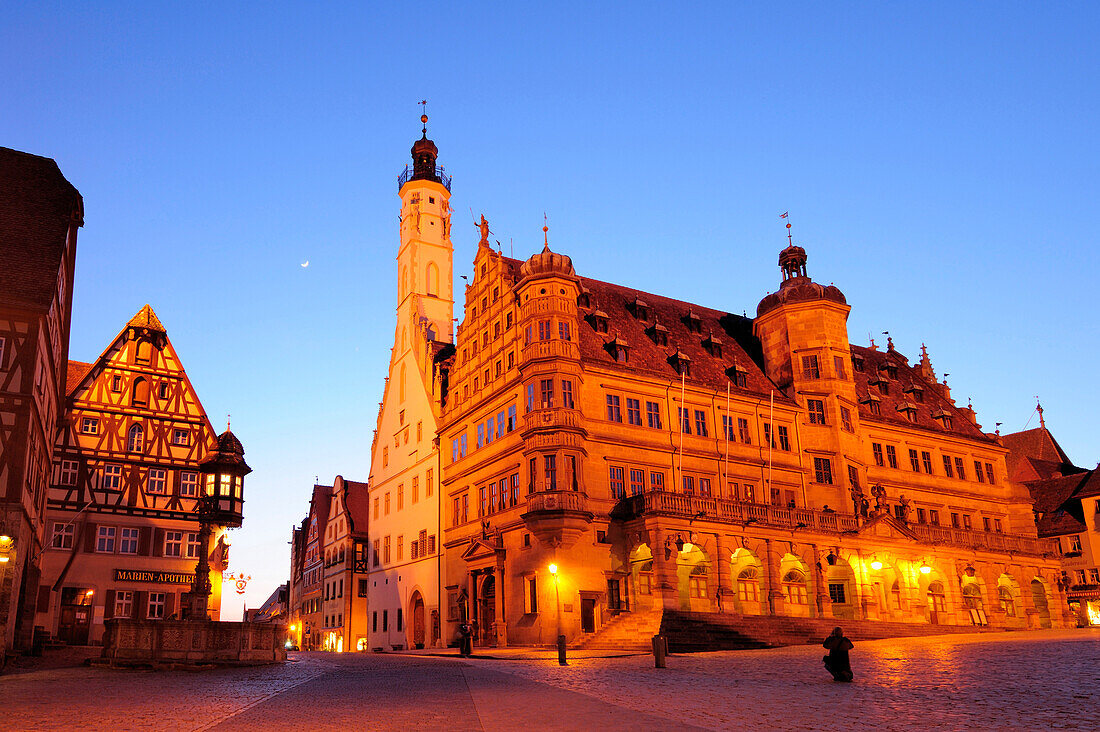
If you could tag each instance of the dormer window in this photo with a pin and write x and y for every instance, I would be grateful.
(872, 403)
(882, 384)
(693, 322)
(943, 418)
(584, 299)
(681, 363)
(908, 410)
(657, 333)
(713, 345)
(618, 348)
(639, 309)
(857, 363)
(915, 393)
(737, 375)
(598, 321)
(889, 369)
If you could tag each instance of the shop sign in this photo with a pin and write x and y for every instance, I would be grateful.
(154, 576)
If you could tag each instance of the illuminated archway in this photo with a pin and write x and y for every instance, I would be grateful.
(1040, 597)
(643, 578)
(745, 568)
(795, 585)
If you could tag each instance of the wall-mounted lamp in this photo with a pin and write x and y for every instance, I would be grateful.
(876, 564)
(925, 569)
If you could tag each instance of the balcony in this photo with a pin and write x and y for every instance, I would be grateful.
(551, 349)
(552, 419)
(557, 518)
(989, 541)
(439, 177)
(733, 512)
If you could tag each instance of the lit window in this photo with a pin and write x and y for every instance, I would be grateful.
(794, 587)
(748, 585)
(124, 604)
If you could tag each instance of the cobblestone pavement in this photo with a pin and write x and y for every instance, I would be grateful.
(1020, 681)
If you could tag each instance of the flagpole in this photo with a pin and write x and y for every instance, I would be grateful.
(729, 428)
(683, 416)
(771, 438)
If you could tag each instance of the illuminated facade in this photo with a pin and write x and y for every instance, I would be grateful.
(405, 554)
(671, 458)
(1067, 513)
(121, 511)
(40, 213)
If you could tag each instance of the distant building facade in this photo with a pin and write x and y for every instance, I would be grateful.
(121, 512)
(1067, 513)
(40, 212)
(274, 608)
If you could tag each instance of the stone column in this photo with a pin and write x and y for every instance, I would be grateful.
(725, 592)
(664, 569)
(771, 564)
(502, 625)
(824, 604)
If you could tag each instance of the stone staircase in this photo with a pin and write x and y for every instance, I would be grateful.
(689, 632)
(630, 631)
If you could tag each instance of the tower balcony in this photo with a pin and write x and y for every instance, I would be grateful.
(557, 518)
(552, 419)
(439, 176)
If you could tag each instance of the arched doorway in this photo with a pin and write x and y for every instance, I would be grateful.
(795, 586)
(840, 581)
(745, 568)
(417, 620)
(1039, 598)
(487, 606)
(937, 603)
(693, 578)
(644, 580)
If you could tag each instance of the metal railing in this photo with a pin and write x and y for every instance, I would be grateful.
(409, 173)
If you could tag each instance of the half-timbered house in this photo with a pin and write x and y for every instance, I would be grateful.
(40, 213)
(121, 511)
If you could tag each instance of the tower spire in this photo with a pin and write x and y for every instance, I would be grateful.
(545, 230)
(424, 116)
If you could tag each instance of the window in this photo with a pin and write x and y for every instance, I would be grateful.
(688, 484)
(914, 461)
(89, 426)
(567, 394)
(462, 446)
(989, 474)
(386, 456)
(181, 437)
(768, 439)
(836, 593)
(748, 585)
(386, 550)
(987, 524)
(135, 440)
(512, 418)
(697, 583)
(616, 481)
(934, 517)
(515, 488)
(892, 456)
(853, 478)
(633, 411)
(978, 471)
(563, 331)
(189, 484)
(838, 366)
(784, 439)
(128, 541)
(846, 420)
(926, 461)
(656, 481)
(162, 389)
(704, 487)
(546, 387)
(810, 368)
(876, 450)
(530, 595)
(156, 605)
(173, 543)
(921, 516)
(653, 415)
(700, 422)
(124, 604)
(62, 536)
(823, 470)
(68, 472)
(116, 383)
(794, 587)
(112, 477)
(684, 418)
(550, 462)
(400, 556)
(544, 330)
(997, 526)
(955, 520)
(386, 504)
(614, 414)
(637, 481)
(140, 397)
(158, 480)
(192, 545)
(960, 468)
(816, 408)
(3, 341)
(1075, 543)
(400, 496)
(105, 539)
(483, 507)
(503, 484)
(947, 467)
(874, 407)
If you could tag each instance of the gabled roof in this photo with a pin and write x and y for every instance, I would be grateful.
(146, 318)
(319, 504)
(1035, 454)
(357, 506)
(900, 393)
(75, 374)
(37, 206)
(1057, 503)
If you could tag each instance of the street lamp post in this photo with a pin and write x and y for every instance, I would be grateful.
(557, 598)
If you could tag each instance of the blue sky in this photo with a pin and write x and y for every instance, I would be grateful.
(940, 163)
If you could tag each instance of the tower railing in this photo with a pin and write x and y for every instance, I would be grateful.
(410, 173)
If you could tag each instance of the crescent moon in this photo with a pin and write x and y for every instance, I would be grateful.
(305, 264)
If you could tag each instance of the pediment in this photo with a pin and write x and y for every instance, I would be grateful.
(885, 526)
(479, 549)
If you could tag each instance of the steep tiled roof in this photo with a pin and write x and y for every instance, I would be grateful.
(1091, 487)
(907, 376)
(77, 370)
(146, 318)
(357, 505)
(37, 206)
(319, 504)
(733, 332)
(1036, 454)
(1057, 503)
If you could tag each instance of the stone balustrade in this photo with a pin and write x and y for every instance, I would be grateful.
(192, 642)
(557, 501)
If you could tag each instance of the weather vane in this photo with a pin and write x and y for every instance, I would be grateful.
(424, 115)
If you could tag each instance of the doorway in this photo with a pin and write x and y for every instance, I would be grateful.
(1039, 598)
(418, 620)
(75, 616)
(487, 611)
(588, 614)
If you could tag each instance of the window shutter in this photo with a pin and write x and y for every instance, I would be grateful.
(169, 604)
(141, 604)
(158, 543)
(144, 535)
(89, 536)
(109, 605)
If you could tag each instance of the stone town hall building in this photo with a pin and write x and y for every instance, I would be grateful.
(673, 461)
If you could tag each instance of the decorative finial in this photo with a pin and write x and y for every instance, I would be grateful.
(545, 229)
(424, 115)
(889, 340)
(1039, 408)
(786, 215)
(228, 417)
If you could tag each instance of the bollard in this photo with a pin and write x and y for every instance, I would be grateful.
(561, 651)
(660, 650)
